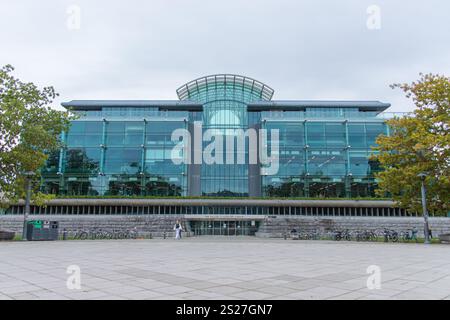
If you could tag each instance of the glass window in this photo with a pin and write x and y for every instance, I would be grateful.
(93, 127)
(52, 163)
(356, 135)
(85, 134)
(134, 133)
(326, 163)
(75, 140)
(82, 160)
(316, 134)
(115, 126)
(123, 160)
(115, 139)
(373, 131)
(358, 163)
(326, 189)
(91, 140)
(163, 126)
(77, 127)
(335, 135)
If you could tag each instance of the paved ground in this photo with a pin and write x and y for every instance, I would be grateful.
(223, 268)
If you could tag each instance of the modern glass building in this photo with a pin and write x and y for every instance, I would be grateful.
(124, 147)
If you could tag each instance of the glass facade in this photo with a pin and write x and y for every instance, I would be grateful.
(323, 155)
(224, 99)
(124, 148)
(118, 156)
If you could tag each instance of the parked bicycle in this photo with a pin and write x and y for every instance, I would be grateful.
(294, 234)
(81, 235)
(390, 235)
(342, 235)
(132, 234)
(99, 234)
(118, 234)
(410, 235)
(366, 235)
(310, 235)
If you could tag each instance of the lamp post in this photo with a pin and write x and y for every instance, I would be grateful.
(422, 177)
(28, 175)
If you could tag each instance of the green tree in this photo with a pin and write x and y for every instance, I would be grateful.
(29, 130)
(419, 143)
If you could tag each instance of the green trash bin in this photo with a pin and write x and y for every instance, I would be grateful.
(39, 230)
(35, 223)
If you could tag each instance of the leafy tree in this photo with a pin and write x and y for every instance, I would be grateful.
(29, 130)
(419, 143)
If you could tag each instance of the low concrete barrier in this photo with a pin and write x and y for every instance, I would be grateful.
(146, 225)
(445, 238)
(276, 227)
(6, 235)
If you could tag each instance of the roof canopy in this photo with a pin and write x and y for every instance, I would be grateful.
(254, 86)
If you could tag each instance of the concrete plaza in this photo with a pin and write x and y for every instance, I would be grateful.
(223, 268)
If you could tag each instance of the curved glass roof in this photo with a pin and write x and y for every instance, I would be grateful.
(196, 88)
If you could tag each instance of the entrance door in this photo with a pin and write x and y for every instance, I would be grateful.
(224, 228)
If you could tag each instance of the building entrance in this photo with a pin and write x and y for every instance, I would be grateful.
(224, 228)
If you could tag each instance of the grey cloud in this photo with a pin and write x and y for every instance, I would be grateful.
(303, 49)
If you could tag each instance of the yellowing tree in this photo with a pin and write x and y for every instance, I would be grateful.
(419, 143)
(29, 130)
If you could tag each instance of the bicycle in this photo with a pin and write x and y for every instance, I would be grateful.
(132, 234)
(313, 235)
(342, 235)
(118, 235)
(104, 234)
(99, 234)
(371, 235)
(366, 235)
(410, 235)
(295, 236)
(328, 235)
(81, 235)
(391, 235)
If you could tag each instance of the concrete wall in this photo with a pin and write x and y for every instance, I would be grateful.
(276, 227)
(155, 225)
(270, 227)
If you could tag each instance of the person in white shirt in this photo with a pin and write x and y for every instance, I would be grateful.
(178, 228)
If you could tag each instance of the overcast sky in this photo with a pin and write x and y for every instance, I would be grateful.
(313, 49)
